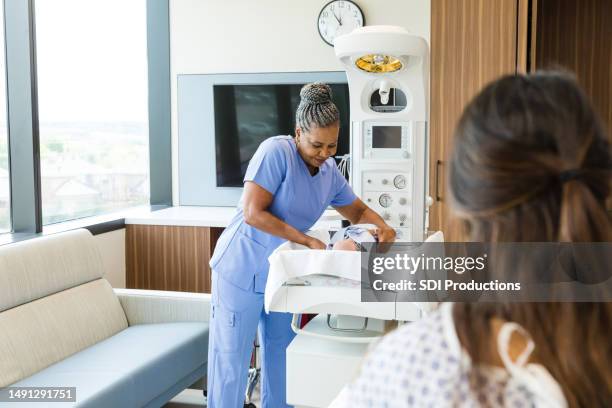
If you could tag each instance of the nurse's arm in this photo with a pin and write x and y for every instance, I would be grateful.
(359, 213)
(256, 201)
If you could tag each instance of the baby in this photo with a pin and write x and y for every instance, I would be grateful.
(351, 237)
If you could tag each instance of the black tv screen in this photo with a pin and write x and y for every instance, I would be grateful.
(245, 115)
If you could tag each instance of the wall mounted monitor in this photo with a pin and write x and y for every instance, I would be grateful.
(246, 115)
(222, 119)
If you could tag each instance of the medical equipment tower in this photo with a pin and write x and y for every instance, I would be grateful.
(387, 70)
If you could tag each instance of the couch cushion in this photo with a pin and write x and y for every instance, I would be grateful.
(35, 335)
(38, 267)
(132, 367)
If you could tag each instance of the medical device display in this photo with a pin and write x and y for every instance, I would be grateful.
(387, 141)
(387, 70)
(386, 137)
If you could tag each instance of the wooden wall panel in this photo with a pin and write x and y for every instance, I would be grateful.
(169, 257)
(522, 35)
(215, 233)
(577, 35)
(472, 43)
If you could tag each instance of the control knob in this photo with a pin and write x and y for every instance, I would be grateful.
(399, 181)
(385, 200)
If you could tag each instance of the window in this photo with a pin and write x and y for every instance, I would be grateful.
(93, 106)
(5, 191)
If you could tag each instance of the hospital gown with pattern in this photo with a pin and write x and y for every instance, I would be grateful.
(422, 365)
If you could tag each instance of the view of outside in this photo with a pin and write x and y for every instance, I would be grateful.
(92, 92)
(5, 199)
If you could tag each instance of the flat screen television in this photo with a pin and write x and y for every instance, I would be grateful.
(222, 119)
(246, 115)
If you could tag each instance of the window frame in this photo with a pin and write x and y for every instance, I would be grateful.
(23, 122)
(5, 79)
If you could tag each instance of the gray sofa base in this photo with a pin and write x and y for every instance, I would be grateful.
(178, 387)
(137, 367)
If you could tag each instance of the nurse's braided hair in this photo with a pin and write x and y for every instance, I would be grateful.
(316, 109)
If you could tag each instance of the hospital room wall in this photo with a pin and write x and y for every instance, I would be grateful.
(243, 36)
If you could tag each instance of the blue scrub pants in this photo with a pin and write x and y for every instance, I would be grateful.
(235, 315)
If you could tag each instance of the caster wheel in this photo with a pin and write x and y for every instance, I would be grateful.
(250, 405)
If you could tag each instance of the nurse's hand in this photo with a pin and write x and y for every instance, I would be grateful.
(314, 243)
(385, 234)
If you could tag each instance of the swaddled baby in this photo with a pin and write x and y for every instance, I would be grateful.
(352, 237)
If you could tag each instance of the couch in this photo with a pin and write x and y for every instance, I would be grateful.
(62, 325)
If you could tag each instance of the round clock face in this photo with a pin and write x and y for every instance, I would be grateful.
(339, 17)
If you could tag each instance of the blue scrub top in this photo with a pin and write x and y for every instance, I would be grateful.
(241, 254)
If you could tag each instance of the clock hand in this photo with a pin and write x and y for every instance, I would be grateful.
(336, 17)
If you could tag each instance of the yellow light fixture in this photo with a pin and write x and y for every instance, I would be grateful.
(378, 63)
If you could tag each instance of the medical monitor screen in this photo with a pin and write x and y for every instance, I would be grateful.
(386, 137)
(246, 115)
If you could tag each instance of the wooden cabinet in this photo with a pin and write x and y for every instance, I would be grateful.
(476, 41)
(472, 43)
(577, 35)
(162, 257)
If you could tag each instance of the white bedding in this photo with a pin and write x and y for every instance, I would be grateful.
(291, 261)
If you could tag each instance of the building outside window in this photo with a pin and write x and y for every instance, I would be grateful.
(93, 107)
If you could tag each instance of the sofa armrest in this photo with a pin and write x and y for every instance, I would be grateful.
(157, 306)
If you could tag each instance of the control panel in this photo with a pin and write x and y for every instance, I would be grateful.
(390, 195)
(389, 173)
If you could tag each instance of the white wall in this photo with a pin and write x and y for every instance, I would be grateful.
(112, 248)
(247, 36)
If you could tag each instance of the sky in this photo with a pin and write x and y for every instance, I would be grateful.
(88, 48)
(91, 60)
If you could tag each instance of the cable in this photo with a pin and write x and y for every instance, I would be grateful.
(344, 165)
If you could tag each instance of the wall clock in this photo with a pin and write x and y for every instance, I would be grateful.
(339, 17)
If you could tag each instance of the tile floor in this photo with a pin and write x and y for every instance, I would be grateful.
(192, 398)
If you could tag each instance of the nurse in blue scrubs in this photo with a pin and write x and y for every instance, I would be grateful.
(289, 182)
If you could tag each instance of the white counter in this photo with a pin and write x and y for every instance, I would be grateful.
(193, 216)
(190, 216)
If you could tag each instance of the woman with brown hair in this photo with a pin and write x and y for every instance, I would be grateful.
(531, 163)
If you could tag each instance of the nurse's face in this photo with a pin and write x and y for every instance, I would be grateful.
(317, 145)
